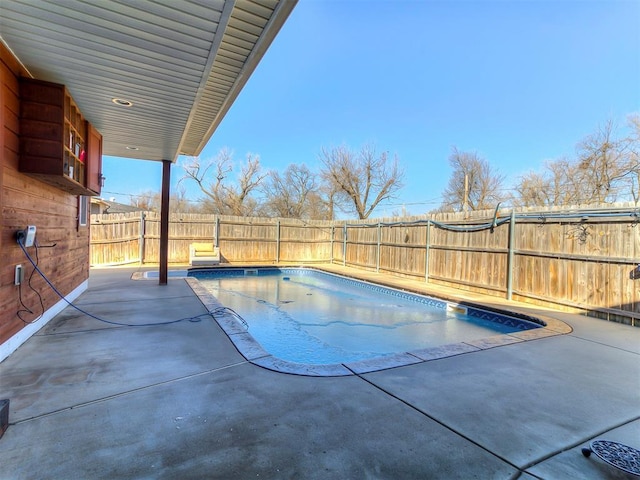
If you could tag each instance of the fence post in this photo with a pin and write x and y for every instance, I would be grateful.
(142, 229)
(216, 231)
(278, 241)
(426, 252)
(344, 245)
(512, 234)
(216, 241)
(333, 234)
(378, 253)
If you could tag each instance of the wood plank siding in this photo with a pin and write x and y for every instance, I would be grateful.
(24, 201)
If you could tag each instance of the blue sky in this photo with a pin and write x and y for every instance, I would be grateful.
(519, 82)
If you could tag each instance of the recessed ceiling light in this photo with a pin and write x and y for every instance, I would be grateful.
(122, 102)
(132, 148)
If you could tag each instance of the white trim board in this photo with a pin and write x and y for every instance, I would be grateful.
(11, 345)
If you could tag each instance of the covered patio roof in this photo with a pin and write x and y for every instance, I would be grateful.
(155, 77)
(180, 65)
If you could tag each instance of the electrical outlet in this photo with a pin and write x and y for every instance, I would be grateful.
(19, 276)
(26, 237)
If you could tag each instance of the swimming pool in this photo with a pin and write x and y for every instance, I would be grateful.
(307, 316)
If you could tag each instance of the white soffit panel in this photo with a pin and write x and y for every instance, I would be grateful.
(180, 63)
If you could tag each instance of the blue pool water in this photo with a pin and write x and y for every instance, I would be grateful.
(312, 317)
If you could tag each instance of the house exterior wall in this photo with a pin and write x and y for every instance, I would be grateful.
(24, 201)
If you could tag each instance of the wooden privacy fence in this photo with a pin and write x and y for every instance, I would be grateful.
(118, 239)
(578, 260)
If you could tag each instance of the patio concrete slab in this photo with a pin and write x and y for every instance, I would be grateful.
(54, 372)
(245, 422)
(77, 359)
(524, 401)
(152, 303)
(572, 464)
(178, 401)
(624, 337)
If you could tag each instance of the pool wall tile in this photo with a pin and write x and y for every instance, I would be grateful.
(502, 319)
(432, 302)
(221, 272)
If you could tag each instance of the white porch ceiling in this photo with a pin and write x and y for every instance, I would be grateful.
(181, 63)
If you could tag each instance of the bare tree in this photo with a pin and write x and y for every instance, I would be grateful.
(289, 195)
(319, 206)
(633, 153)
(328, 200)
(178, 201)
(223, 196)
(358, 182)
(560, 183)
(147, 200)
(533, 189)
(603, 165)
(473, 185)
(606, 170)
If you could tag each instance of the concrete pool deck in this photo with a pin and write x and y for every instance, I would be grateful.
(92, 400)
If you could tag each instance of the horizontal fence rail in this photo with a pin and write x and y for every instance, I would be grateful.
(578, 260)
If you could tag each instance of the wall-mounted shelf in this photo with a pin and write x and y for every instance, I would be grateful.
(57, 145)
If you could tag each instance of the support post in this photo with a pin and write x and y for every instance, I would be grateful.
(164, 223)
(512, 235)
